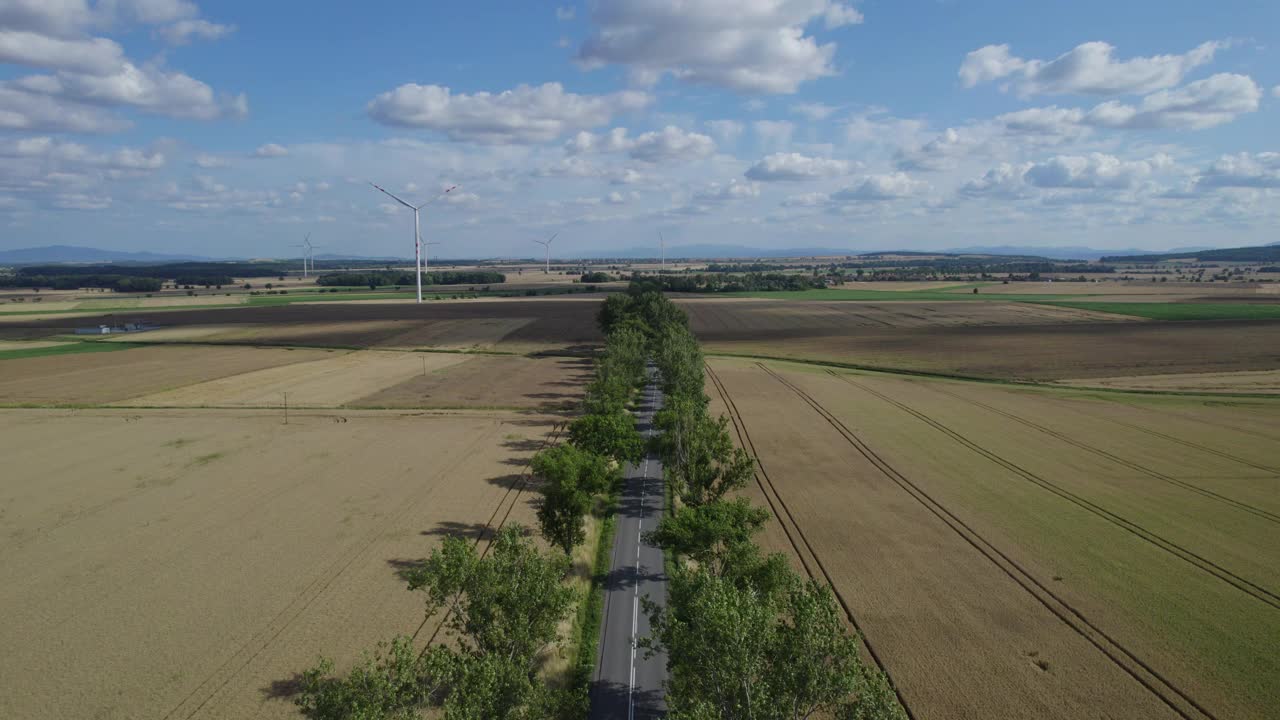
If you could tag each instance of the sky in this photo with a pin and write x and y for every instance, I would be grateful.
(235, 128)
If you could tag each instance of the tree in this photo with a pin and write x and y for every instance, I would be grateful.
(612, 435)
(571, 479)
(505, 609)
(699, 453)
(710, 533)
(735, 652)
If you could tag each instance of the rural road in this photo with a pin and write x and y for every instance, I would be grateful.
(627, 686)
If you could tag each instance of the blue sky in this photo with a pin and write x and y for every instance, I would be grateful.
(234, 128)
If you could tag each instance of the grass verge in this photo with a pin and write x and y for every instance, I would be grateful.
(890, 295)
(69, 349)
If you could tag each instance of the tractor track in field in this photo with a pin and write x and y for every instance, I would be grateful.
(1163, 689)
(1239, 505)
(294, 610)
(490, 530)
(780, 510)
(1246, 586)
(1202, 448)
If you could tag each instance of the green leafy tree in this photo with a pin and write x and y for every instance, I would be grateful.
(735, 652)
(504, 610)
(571, 477)
(711, 534)
(613, 435)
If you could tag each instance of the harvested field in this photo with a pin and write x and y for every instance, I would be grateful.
(187, 564)
(547, 384)
(1014, 553)
(515, 325)
(98, 378)
(332, 381)
(6, 345)
(1068, 348)
(1260, 381)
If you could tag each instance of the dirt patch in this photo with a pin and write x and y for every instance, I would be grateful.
(97, 378)
(217, 553)
(547, 384)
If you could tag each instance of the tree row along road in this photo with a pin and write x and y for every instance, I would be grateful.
(627, 684)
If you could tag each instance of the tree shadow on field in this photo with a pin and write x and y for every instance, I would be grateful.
(282, 689)
(524, 445)
(450, 528)
(404, 567)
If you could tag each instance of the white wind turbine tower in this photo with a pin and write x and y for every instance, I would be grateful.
(307, 254)
(417, 231)
(662, 244)
(547, 244)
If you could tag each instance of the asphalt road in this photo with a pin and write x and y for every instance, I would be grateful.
(628, 686)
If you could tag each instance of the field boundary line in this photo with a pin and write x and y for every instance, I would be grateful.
(1264, 514)
(744, 439)
(1246, 586)
(324, 579)
(1144, 674)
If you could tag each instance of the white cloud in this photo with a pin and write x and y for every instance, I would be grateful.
(773, 133)
(1095, 173)
(207, 161)
(839, 15)
(814, 199)
(814, 111)
(1088, 69)
(755, 46)
(733, 190)
(566, 13)
(1095, 170)
(726, 131)
(1275, 91)
(26, 111)
(1198, 105)
(148, 12)
(183, 31)
(615, 198)
(1243, 170)
(147, 88)
(940, 153)
(524, 115)
(271, 150)
(669, 144)
(889, 186)
(794, 166)
(88, 55)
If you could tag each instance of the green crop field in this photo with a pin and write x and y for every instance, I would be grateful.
(1181, 311)
(67, 349)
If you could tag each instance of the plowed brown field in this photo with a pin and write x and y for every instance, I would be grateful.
(980, 339)
(1012, 553)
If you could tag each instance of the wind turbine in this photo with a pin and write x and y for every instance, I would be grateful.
(304, 254)
(417, 231)
(547, 244)
(662, 243)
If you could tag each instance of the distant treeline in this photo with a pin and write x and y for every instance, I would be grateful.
(381, 278)
(1266, 253)
(974, 267)
(225, 270)
(119, 283)
(750, 282)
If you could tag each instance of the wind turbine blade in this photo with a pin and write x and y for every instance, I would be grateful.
(553, 237)
(447, 190)
(393, 197)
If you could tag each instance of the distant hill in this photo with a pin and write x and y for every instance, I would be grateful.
(77, 254)
(1264, 253)
(1066, 252)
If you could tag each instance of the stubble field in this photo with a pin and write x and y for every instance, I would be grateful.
(1028, 553)
(171, 548)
